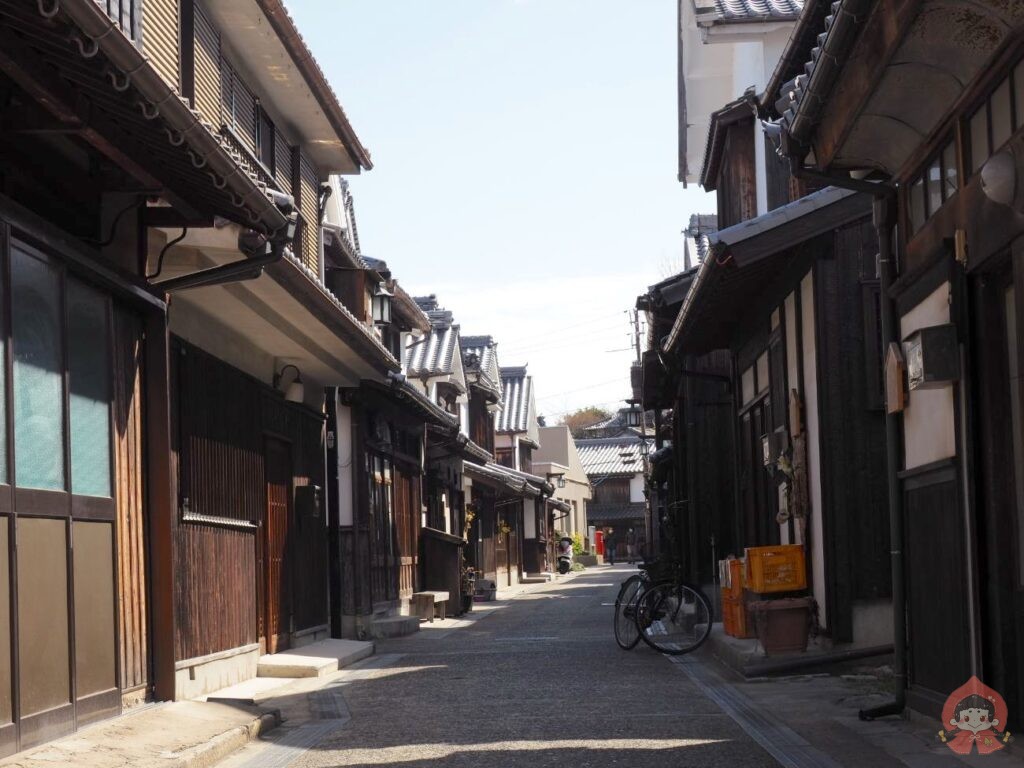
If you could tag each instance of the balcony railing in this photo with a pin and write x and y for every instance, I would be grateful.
(127, 14)
(249, 159)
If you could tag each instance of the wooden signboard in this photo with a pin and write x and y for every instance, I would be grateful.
(895, 376)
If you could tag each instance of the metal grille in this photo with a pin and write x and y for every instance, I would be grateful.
(127, 14)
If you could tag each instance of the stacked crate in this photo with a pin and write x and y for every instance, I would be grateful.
(734, 611)
(773, 570)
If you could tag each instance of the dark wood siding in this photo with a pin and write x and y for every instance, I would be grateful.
(703, 476)
(737, 179)
(779, 179)
(207, 67)
(131, 533)
(936, 587)
(481, 422)
(853, 446)
(160, 18)
(220, 420)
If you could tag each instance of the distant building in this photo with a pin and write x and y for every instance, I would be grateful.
(615, 468)
(558, 460)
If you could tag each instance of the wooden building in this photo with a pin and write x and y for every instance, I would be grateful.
(253, 358)
(940, 152)
(156, 439)
(769, 351)
(435, 364)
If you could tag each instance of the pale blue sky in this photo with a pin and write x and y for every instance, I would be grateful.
(525, 167)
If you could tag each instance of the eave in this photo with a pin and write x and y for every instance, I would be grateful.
(886, 77)
(80, 57)
(746, 256)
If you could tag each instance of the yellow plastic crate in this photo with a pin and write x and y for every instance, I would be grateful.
(776, 569)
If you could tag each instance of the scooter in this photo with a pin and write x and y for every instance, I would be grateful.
(564, 555)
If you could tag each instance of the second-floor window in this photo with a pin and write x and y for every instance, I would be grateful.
(612, 490)
(265, 140)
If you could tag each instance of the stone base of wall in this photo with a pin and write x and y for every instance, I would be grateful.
(206, 674)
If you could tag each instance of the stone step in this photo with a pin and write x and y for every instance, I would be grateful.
(394, 626)
(314, 660)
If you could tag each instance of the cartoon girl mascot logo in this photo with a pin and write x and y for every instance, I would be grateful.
(975, 718)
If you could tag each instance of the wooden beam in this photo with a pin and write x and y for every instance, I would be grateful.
(161, 503)
(23, 66)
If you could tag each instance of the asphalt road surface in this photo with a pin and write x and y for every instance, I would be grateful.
(539, 682)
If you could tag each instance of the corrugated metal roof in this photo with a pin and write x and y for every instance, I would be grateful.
(734, 10)
(612, 455)
(516, 392)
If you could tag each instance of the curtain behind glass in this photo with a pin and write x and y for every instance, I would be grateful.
(38, 373)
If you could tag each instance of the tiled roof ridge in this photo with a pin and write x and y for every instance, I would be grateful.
(748, 10)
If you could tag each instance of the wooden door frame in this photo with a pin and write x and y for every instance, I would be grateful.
(263, 554)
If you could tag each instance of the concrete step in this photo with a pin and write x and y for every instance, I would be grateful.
(313, 660)
(394, 626)
(537, 578)
(251, 692)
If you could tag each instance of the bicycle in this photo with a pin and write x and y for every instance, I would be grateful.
(668, 614)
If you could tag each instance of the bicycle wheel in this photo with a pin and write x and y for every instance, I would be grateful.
(627, 634)
(674, 618)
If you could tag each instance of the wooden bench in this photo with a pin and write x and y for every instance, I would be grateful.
(429, 605)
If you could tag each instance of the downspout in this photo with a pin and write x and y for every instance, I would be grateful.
(259, 253)
(883, 194)
(890, 334)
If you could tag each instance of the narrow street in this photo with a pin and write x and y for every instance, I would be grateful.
(541, 681)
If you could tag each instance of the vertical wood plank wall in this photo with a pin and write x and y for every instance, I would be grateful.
(160, 40)
(131, 533)
(219, 428)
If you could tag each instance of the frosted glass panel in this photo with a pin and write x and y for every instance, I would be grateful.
(38, 380)
(89, 371)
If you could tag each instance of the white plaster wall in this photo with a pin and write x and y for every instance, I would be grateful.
(345, 489)
(190, 322)
(636, 488)
(810, 388)
(707, 70)
(929, 428)
(529, 522)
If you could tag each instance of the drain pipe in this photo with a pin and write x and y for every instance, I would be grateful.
(883, 194)
(890, 334)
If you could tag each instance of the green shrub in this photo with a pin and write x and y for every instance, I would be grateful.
(577, 543)
(579, 567)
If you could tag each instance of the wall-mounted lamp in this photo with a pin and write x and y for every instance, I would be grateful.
(999, 178)
(296, 391)
(559, 478)
(382, 304)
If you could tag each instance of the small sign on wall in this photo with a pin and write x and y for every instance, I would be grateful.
(895, 373)
(933, 357)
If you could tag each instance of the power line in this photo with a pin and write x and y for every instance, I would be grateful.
(581, 389)
(556, 338)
